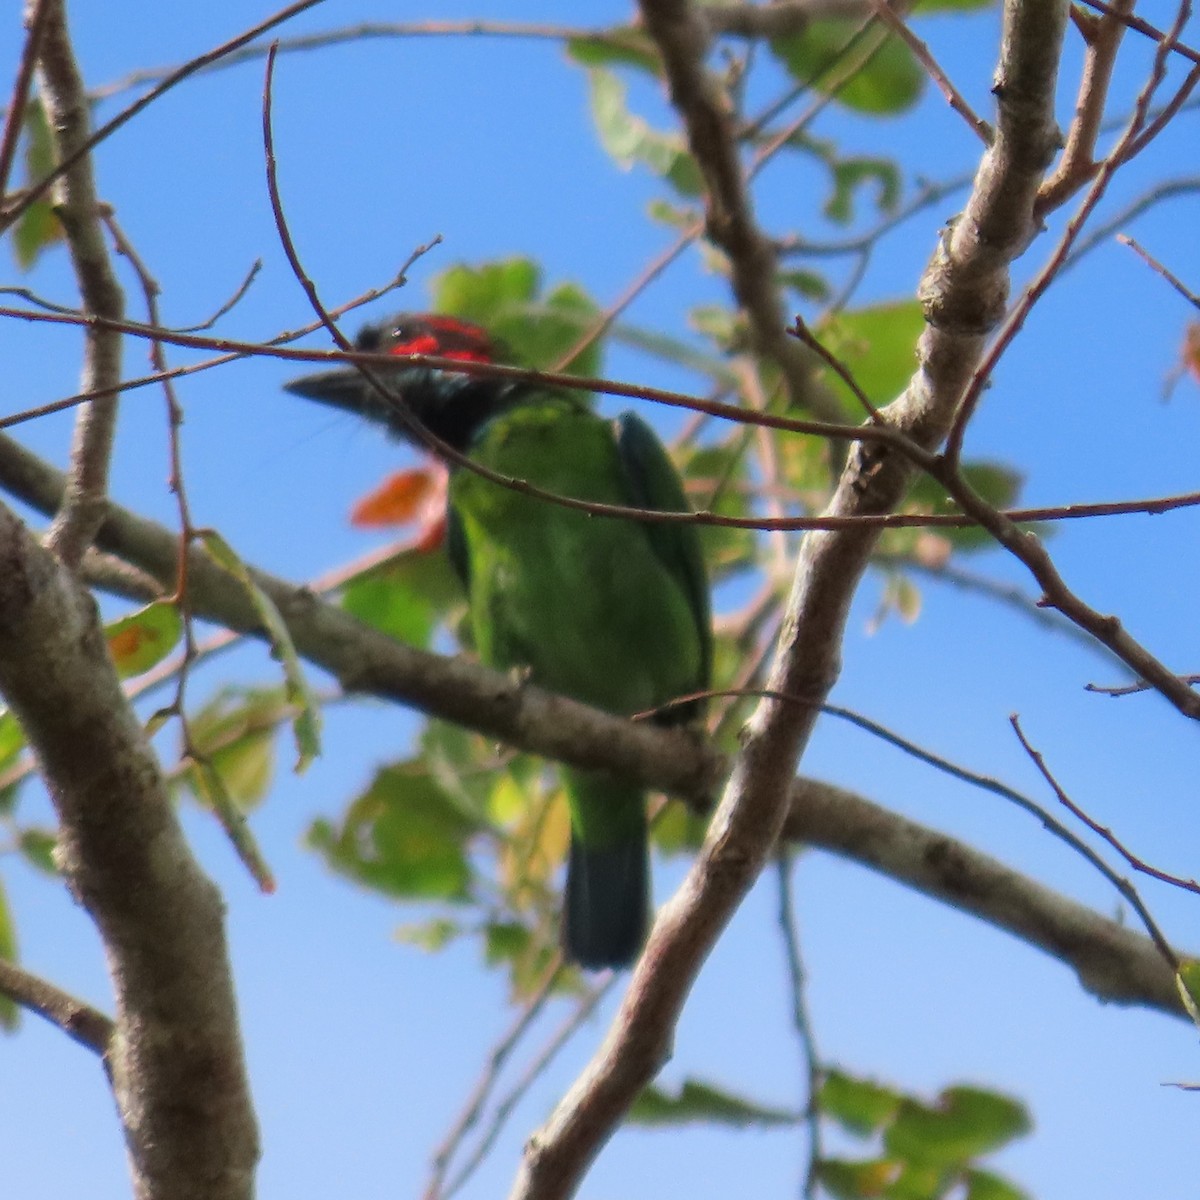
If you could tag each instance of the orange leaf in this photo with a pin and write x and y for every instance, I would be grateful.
(399, 500)
(1191, 349)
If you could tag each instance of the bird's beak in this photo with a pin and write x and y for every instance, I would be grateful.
(343, 388)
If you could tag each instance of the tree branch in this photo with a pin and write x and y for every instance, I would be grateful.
(1113, 962)
(554, 727)
(85, 1024)
(175, 1058)
(964, 293)
(78, 209)
(681, 34)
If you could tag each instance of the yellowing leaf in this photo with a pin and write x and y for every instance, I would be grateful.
(144, 638)
(306, 725)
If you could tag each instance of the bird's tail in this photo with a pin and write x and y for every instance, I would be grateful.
(607, 899)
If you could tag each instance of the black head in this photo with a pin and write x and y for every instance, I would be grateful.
(449, 405)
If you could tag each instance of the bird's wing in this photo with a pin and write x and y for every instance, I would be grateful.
(655, 484)
(456, 546)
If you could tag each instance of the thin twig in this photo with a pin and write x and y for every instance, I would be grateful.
(497, 1057)
(924, 56)
(1182, 288)
(1138, 864)
(1102, 36)
(79, 1021)
(569, 1027)
(1037, 288)
(78, 152)
(802, 1022)
(35, 24)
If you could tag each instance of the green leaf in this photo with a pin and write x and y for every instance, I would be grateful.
(983, 1185)
(678, 829)
(630, 139)
(9, 1011)
(38, 226)
(506, 297)
(485, 292)
(1187, 980)
(306, 723)
(926, 7)
(235, 733)
(995, 482)
(851, 1180)
(12, 737)
(966, 1122)
(697, 1101)
(618, 47)
(878, 344)
(900, 596)
(889, 83)
(808, 285)
(37, 847)
(675, 216)
(431, 935)
(408, 598)
(144, 638)
(405, 836)
(919, 1181)
(12, 742)
(859, 1105)
(851, 174)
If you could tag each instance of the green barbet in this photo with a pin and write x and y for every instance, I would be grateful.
(609, 611)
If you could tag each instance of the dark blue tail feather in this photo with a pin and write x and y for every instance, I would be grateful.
(606, 904)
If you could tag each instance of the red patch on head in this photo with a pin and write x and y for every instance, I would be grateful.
(448, 337)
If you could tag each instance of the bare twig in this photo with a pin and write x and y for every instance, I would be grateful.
(924, 56)
(1138, 864)
(802, 1023)
(79, 1021)
(1133, 689)
(504, 1108)
(681, 37)
(1121, 152)
(1182, 288)
(1155, 195)
(1138, 25)
(84, 147)
(35, 22)
(497, 1057)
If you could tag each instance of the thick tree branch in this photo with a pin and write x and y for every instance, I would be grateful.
(78, 208)
(681, 34)
(1130, 970)
(175, 1059)
(1113, 962)
(964, 294)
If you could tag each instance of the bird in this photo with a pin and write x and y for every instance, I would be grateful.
(612, 612)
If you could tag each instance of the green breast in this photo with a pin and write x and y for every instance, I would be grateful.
(583, 601)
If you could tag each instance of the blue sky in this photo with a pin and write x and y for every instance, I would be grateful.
(362, 1049)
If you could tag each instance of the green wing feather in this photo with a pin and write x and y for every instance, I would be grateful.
(654, 483)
